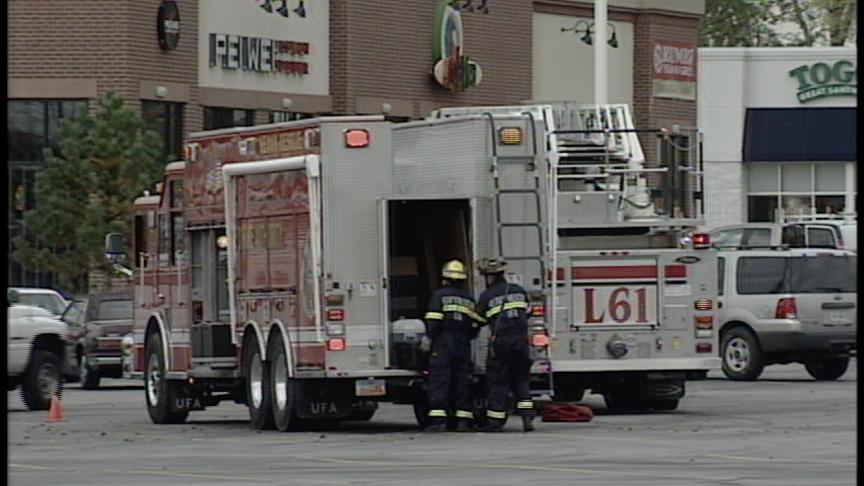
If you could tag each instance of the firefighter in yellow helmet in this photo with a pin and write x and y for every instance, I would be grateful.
(451, 324)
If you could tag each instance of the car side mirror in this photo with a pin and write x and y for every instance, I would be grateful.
(115, 247)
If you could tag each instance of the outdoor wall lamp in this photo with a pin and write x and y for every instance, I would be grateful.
(587, 29)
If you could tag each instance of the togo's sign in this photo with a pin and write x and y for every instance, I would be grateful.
(452, 69)
(821, 80)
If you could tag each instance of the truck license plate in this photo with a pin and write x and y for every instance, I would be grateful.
(838, 317)
(370, 388)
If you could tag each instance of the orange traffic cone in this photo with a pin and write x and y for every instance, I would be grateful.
(55, 413)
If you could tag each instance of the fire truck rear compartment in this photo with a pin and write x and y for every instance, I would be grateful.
(424, 234)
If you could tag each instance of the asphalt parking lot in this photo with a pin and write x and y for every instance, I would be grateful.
(785, 429)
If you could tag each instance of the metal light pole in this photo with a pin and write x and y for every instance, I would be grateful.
(600, 51)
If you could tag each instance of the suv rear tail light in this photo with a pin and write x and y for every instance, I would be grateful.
(786, 309)
(336, 344)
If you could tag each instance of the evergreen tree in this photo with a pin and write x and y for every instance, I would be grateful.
(103, 162)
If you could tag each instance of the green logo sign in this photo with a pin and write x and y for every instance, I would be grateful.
(821, 80)
(452, 70)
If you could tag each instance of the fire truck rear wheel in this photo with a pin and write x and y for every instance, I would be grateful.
(256, 374)
(160, 392)
(282, 387)
(667, 404)
(623, 401)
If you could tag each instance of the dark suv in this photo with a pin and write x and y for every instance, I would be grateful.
(97, 327)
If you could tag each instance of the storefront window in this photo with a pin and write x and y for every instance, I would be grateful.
(216, 118)
(285, 116)
(794, 189)
(33, 126)
(167, 120)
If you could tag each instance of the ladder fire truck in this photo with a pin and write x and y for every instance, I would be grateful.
(287, 266)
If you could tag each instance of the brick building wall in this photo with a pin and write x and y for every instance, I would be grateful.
(112, 44)
(648, 111)
(384, 54)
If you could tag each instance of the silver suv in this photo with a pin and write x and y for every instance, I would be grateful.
(783, 306)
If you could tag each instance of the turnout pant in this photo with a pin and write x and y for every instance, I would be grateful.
(450, 376)
(508, 369)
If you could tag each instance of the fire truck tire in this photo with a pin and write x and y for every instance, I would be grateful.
(827, 369)
(667, 404)
(160, 392)
(741, 355)
(256, 376)
(282, 389)
(622, 401)
(361, 415)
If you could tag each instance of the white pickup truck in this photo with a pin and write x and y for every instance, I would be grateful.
(36, 348)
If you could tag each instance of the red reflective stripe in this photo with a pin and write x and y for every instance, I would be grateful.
(626, 271)
(676, 271)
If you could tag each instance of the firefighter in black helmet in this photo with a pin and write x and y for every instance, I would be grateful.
(508, 364)
(451, 324)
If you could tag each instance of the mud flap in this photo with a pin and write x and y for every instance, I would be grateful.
(317, 400)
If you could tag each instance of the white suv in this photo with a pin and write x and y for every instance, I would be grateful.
(820, 234)
(36, 350)
(783, 306)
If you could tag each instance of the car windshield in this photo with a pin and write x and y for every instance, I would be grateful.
(114, 309)
(47, 302)
(828, 274)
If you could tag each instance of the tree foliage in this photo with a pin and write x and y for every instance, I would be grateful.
(773, 23)
(103, 162)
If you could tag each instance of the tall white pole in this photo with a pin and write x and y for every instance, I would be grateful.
(600, 51)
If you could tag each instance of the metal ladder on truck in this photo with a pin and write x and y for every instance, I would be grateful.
(531, 225)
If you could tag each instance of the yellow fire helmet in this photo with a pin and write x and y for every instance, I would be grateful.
(454, 270)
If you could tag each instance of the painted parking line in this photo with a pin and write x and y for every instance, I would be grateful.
(517, 467)
(187, 475)
(827, 462)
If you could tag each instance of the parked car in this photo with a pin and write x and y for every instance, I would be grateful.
(48, 299)
(783, 306)
(97, 330)
(35, 352)
(821, 234)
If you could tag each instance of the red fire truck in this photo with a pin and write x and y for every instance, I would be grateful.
(287, 266)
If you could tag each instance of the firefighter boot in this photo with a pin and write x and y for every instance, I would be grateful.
(436, 425)
(527, 421)
(462, 425)
(494, 425)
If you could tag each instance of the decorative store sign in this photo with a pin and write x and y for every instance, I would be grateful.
(674, 70)
(168, 24)
(821, 80)
(452, 69)
(257, 54)
(276, 46)
(284, 9)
